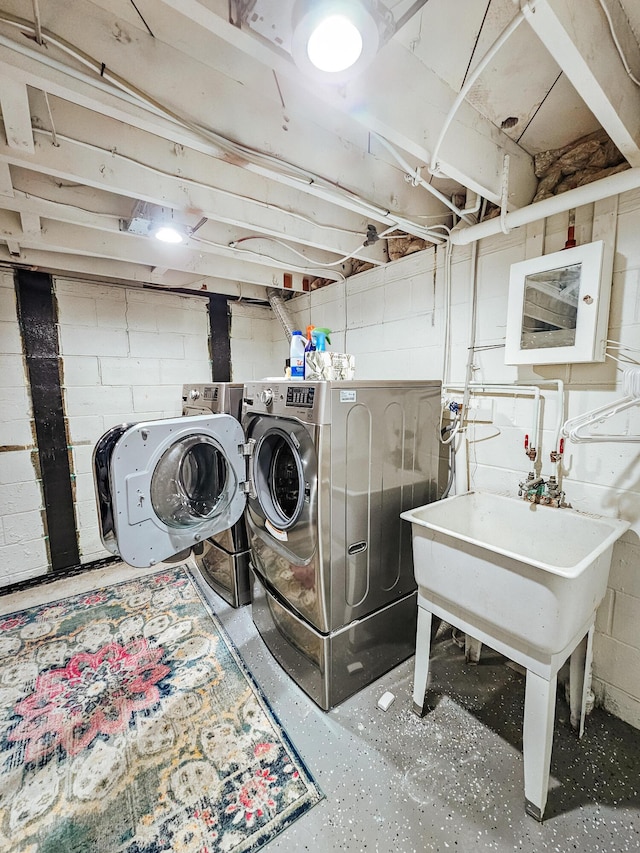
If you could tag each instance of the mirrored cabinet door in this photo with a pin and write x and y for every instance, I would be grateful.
(559, 306)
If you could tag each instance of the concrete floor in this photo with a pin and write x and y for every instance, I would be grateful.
(395, 783)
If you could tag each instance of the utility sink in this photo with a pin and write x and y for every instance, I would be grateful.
(533, 574)
(525, 579)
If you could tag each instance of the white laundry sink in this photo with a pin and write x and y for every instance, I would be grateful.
(525, 579)
(528, 574)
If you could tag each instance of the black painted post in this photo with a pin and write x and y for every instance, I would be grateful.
(37, 317)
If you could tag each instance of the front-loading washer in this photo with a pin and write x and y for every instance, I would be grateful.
(335, 463)
(223, 560)
(168, 487)
(322, 471)
(164, 486)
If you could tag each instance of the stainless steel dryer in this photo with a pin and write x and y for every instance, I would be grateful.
(334, 464)
(223, 560)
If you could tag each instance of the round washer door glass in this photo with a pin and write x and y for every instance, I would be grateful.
(279, 479)
(192, 483)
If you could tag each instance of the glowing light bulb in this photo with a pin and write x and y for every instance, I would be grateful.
(335, 44)
(168, 234)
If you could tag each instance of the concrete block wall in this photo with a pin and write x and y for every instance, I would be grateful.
(23, 544)
(392, 320)
(126, 353)
(258, 343)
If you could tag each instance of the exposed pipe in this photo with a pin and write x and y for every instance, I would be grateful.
(37, 22)
(604, 188)
(275, 169)
(471, 79)
(277, 306)
(518, 389)
(417, 179)
(461, 451)
(506, 388)
(402, 20)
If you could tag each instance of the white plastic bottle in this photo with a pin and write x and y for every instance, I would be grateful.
(296, 356)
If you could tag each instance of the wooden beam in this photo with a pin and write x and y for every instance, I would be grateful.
(30, 223)
(576, 34)
(410, 117)
(364, 183)
(6, 185)
(74, 162)
(16, 115)
(227, 263)
(107, 269)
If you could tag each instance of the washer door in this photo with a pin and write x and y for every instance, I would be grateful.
(174, 483)
(283, 507)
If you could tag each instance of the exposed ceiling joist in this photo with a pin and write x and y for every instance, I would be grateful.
(567, 29)
(365, 184)
(190, 258)
(6, 183)
(212, 122)
(404, 102)
(15, 113)
(81, 164)
(108, 269)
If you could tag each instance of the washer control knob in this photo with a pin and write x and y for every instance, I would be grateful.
(266, 396)
(194, 393)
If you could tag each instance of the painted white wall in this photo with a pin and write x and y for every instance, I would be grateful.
(391, 319)
(23, 546)
(126, 352)
(258, 348)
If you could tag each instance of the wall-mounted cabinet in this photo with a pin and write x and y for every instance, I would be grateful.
(558, 308)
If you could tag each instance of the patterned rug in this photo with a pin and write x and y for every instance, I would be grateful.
(129, 724)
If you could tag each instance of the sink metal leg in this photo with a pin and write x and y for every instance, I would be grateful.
(580, 680)
(421, 665)
(539, 713)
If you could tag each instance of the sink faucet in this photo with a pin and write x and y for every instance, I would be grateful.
(540, 491)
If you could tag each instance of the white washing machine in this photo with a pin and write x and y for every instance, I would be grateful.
(323, 470)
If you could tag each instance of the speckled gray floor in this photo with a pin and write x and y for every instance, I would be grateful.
(395, 783)
(451, 781)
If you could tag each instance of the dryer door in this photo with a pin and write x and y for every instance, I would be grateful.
(174, 483)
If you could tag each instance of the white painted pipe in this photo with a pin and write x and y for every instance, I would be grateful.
(414, 174)
(587, 194)
(462, 462)
(506, 388)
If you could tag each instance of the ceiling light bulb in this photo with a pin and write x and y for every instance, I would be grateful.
(332, 41)
(168, 234)
(335, 44)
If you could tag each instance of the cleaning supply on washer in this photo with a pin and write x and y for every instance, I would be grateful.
(296, 355)
(309, 344)
(308, 347)
(321, 338)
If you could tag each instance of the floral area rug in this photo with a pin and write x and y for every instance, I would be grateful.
(129, 724)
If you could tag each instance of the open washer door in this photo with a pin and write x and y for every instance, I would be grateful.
(171, 483)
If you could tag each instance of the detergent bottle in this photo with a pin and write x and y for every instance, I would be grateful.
(296, 357)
